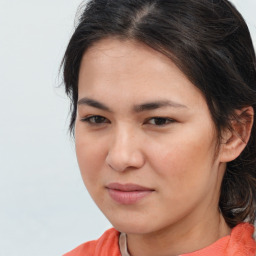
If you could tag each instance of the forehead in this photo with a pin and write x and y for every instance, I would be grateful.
(116, 68)
(118, 47)
(114, 51)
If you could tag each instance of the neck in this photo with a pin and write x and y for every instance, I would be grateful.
(180, 238)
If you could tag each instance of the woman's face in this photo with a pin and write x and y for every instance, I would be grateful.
(145, 140)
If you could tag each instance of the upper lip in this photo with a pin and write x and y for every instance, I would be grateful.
(128, 187)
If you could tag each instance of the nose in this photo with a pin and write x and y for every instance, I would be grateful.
(125, 151)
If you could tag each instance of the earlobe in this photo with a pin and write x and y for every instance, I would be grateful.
(234, 141)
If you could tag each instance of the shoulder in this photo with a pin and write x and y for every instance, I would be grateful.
(241, 240)
(106, 245)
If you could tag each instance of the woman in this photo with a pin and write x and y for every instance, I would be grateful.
(163, 97)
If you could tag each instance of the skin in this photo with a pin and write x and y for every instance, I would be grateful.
(174, 156)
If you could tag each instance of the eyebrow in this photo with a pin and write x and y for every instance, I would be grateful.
(147, 106)
(93, 103)
(157, 104)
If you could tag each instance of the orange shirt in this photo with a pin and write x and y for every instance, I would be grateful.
(238, 243)
(106, 245)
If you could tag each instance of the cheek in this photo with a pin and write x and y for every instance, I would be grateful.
(184, 160)
(90, 157)
(91, 162)
(185, 175)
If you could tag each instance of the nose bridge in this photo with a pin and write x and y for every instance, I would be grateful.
(124, 150)
(123, 135)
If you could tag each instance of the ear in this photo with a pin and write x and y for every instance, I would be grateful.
(234, 141)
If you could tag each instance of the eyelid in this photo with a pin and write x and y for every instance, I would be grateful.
(88, 119)
(97, 120)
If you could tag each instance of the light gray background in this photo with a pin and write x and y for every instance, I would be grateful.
(45, 209)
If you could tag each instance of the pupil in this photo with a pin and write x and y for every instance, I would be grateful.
(160, 121)
(99, 119)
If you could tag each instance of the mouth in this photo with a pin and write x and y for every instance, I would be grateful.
(127, 193)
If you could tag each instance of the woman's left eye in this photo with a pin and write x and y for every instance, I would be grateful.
(159, 121)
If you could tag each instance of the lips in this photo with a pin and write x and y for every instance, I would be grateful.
(127, 193)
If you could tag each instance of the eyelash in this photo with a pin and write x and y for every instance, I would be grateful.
(156, 119)
(95, 122)
(98, 120)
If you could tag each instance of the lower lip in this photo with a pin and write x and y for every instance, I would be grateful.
(128, 197)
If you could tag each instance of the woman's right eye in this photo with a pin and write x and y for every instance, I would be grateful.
(94, 120)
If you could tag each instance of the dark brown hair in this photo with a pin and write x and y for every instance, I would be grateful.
(210, 42)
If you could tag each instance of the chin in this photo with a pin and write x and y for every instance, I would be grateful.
(131, 229)
(132, 226)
